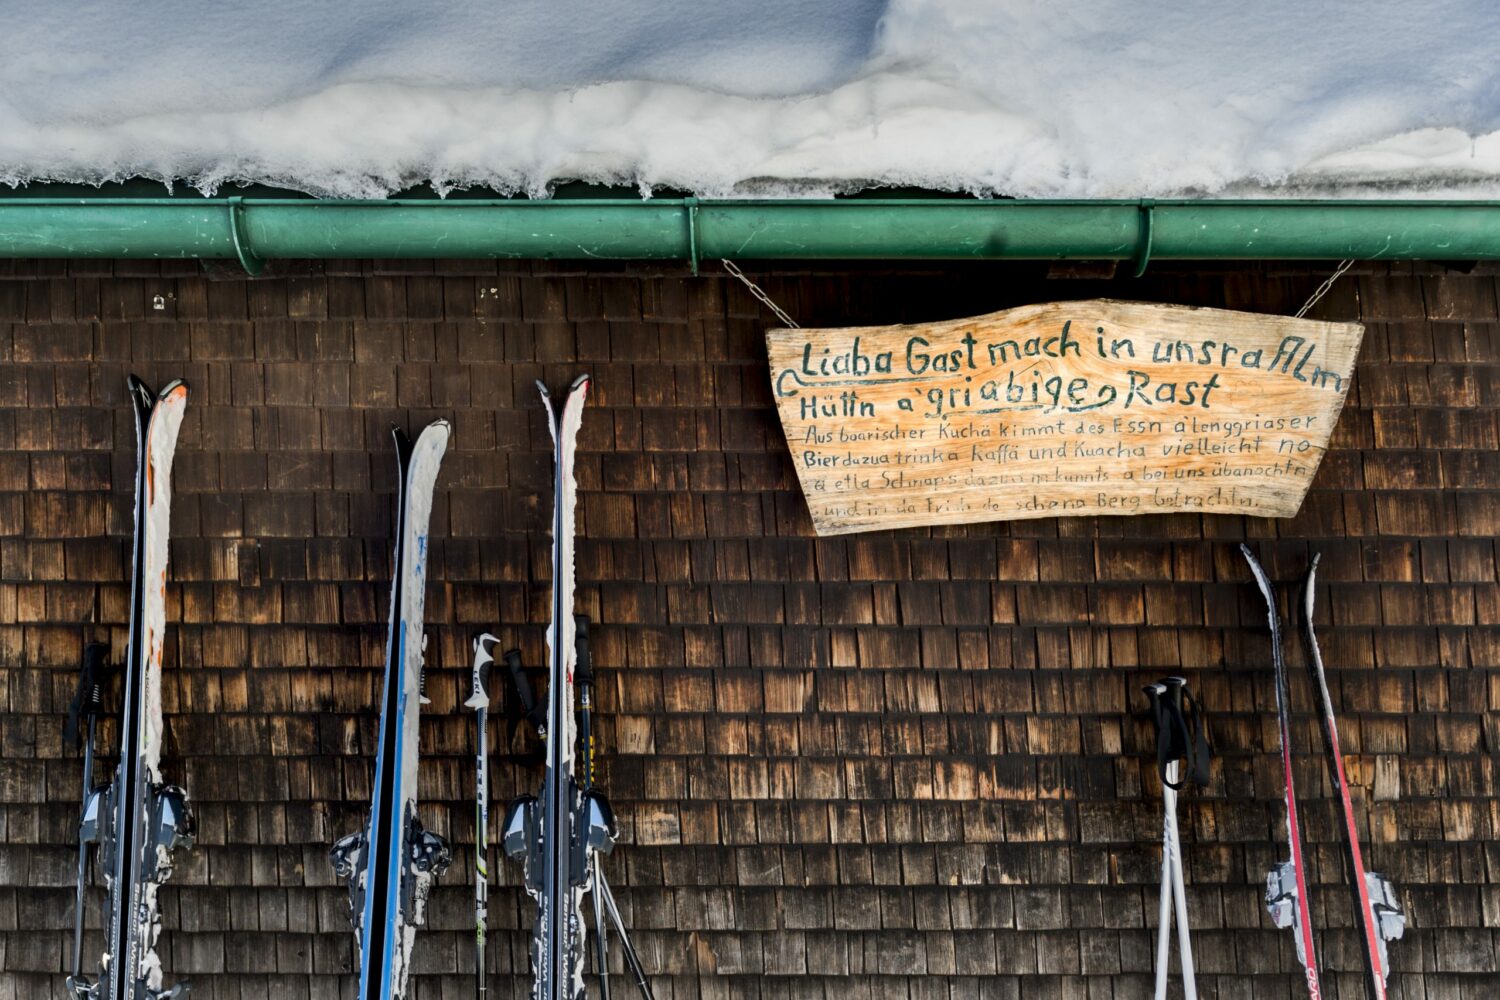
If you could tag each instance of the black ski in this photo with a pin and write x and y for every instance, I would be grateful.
(390, 865)
(136, 821)
(1376, 906)
(559, 835)
(1286, 884)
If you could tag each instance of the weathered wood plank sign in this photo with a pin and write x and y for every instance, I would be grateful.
(1064, 408)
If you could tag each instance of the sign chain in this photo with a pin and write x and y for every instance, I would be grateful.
(786, 320)
(760, 293)
(1322, 289)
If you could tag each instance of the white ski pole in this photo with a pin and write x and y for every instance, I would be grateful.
(1172, 858)
(1164, 910)
(1177, 739)
(479, 700)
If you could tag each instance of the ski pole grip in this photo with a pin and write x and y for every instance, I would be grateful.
(1154, 693)
(584, 668)
(484, 663)
(1172, 737)
(512, 660)
(88, 696)
(1172, 710)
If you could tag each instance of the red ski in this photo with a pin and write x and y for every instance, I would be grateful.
(1375, 904)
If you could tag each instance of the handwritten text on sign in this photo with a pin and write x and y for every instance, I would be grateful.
(1097, 407)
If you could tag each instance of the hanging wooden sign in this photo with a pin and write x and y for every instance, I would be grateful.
(1063, 408)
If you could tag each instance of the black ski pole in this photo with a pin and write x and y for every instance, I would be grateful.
(632, 958)
(583, 675)
(87, 704)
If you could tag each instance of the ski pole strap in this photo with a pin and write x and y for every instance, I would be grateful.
(532, 712)
(88, 699)
(1180, 733)
(1195, 730)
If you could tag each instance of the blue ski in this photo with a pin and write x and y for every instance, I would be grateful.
(390, 865)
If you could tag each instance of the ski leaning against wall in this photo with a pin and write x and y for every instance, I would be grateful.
(132, 824)
(390, 865)
(559, 835)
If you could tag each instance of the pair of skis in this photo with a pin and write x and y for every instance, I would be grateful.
(557, 836)
(1377, 909)
(390, 865)
(132, 824)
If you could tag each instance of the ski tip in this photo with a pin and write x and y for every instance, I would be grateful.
(141, 395)
(1309, 596)
(435, 434)
(1255, 567)
(175, 389)
(403, 443)
(580, 382)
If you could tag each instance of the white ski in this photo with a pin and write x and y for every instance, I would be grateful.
(391, 864)
(560, 926)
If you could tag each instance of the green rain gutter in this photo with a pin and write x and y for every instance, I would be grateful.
(256, 229)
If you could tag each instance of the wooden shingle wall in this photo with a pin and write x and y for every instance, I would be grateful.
(909, 764)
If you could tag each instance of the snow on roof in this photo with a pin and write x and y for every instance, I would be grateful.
(1097, 98)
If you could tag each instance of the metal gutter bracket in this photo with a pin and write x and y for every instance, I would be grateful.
(1147, 211)
(690, 205)
(253, 265)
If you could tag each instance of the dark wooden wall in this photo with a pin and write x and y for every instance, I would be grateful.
(906, 764)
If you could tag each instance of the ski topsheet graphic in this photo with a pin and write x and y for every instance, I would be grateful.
(390, 865)
(133, 823)
(559, 835)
